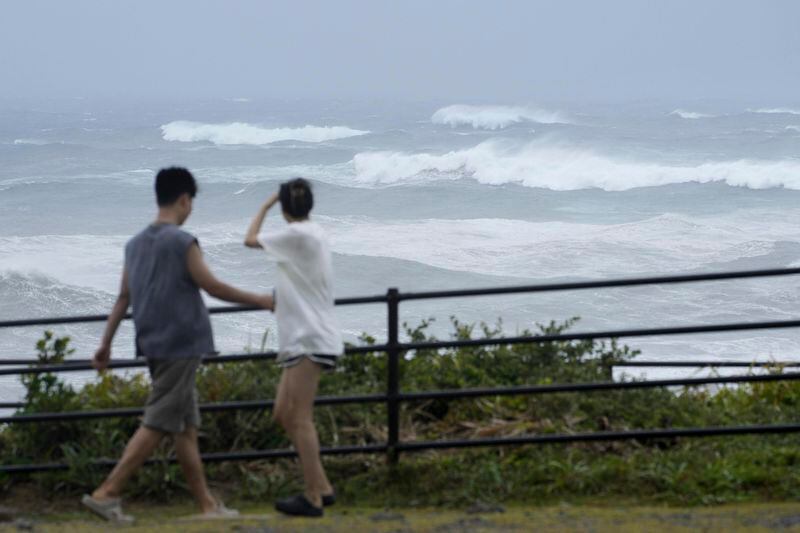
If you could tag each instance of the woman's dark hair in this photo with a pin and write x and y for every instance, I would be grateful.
(296, 198)
(171, 183)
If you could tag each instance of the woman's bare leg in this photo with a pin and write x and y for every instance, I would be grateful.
(294, 410)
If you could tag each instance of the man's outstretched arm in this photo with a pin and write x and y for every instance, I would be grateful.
(206, 281)
(103, 354)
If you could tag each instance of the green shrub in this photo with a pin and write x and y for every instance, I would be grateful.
(673, 470)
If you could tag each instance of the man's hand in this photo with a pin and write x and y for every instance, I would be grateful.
(101, 358)
(266, 301)
(103, 354)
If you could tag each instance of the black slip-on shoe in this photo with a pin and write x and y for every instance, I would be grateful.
(328, 499)
(298, 506)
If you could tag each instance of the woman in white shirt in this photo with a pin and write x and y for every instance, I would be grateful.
(309, 339)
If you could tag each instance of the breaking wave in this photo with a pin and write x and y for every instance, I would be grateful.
(93, 261)
(689, 114)
(29, 294)
(493, 117)
(563, 168)
(244, 133)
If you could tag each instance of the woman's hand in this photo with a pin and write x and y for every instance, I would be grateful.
(251, 238)
(272, 200)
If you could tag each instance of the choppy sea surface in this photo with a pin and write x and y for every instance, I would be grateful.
(419, 196)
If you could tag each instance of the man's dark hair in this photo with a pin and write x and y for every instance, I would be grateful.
(171, 183)
(296, 198)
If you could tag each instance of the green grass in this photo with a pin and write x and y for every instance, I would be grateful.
(599, 516)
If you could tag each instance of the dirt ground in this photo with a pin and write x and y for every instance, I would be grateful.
(479, 517)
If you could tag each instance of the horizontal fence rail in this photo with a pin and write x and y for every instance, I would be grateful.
(394, 350)
(604, 284)
(423, 395)
(550, 438)
(224, 309)
(516, 289)
(85, 364)
(436, 345)
(208, 408)
(699, 364)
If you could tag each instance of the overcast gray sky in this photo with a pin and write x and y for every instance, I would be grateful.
(474, 50)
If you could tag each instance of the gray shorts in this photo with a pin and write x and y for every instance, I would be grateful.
(172, 405)
(327, 362)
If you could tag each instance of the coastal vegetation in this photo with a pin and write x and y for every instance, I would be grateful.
(665, 470)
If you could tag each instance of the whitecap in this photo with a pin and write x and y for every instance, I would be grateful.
(494, 117)
(776, 110)
(250, 134)
(33, 142)
(693, 115)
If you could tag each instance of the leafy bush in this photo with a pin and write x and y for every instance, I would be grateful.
(674, 470)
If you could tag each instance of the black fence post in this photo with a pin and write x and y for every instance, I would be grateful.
(393, 375)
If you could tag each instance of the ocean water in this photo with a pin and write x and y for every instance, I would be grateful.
(419, 196)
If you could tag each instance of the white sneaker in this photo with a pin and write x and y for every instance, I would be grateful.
(111, 509)
(220, 512)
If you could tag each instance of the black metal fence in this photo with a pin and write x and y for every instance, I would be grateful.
(395, 350)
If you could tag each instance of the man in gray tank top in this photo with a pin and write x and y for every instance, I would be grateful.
(164, 272)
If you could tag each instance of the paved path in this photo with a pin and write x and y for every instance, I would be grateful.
(761, 517)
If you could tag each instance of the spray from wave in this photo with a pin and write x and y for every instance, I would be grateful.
(693, 115)
(562, 168)
(244, 133)
(493, 117)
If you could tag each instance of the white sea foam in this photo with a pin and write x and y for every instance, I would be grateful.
(494, 117)
(77, 260)
(665, 243)
(553, 249)
(41, 295)
(793, 128)
(689, 114)
(776, 110)
(244, 133)
(34, 142)
(563, 168)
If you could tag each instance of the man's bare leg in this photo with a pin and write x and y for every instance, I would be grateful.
(137, 451)
(294, 411)
(188, 453)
